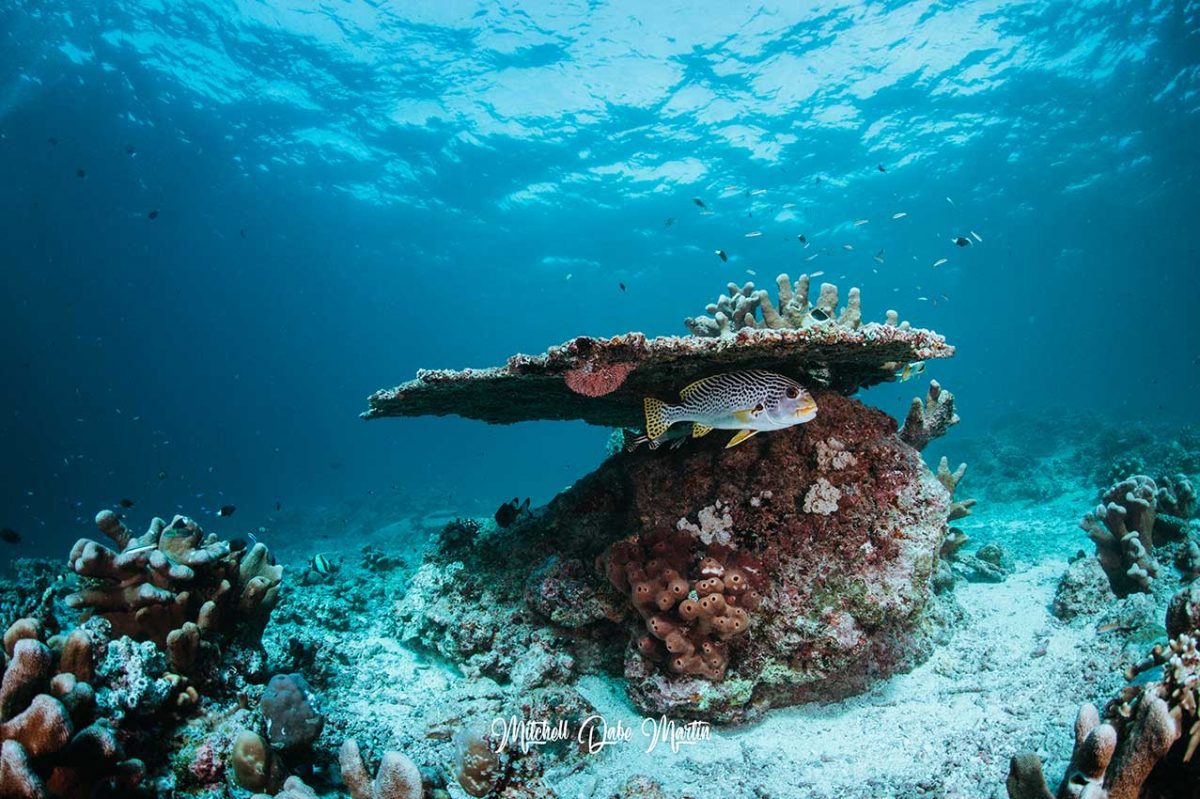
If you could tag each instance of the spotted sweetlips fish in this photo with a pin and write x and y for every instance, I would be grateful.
(748, 402)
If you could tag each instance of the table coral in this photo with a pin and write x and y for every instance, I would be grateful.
(609, 377)
(175, 586)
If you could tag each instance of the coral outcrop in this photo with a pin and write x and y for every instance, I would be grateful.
(844, 584)
(186, 592)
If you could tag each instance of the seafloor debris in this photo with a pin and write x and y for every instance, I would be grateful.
(603, 380)
(1133, 752)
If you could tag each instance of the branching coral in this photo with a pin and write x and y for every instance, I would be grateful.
(175, 586)
(1176, 496)
(690, 612)
(1122, 526)
(929, 419)
(736, 310)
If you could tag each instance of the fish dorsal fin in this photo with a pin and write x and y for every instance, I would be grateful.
(741, 436)
(691, 388)
(699, 430)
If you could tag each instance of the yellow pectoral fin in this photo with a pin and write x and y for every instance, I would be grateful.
(741, 436)
(744, 416)
(699, 430)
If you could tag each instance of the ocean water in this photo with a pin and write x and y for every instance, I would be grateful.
(224, 224)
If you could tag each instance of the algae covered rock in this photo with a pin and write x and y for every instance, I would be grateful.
(842, 589)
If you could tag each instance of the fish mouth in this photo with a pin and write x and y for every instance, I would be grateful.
(806, 412)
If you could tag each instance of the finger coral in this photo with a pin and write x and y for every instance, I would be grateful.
(54, 742)
(1122, 527)
(736, 310)
(1132, 751)
(690, 609)
(929, 419)
(175, 586)
(397, 777)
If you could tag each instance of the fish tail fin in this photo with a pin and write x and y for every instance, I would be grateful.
(658, 417)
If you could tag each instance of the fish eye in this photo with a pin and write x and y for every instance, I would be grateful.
(793, 392)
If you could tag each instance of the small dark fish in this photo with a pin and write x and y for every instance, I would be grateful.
(802, 239)
(153, 214)
(278, 505)
(699, 202)
(81, 172)
(238, 544)
(819, 315)
(322, 565)
(226, 510)
(880, 168)
(962, 241)
(53, 141)
(126, 503)
(130, 150)
(10, 536)
(243, 232)
(507, 513)
(180, 523)
(670, 221)
(622, 285)
(723, 256)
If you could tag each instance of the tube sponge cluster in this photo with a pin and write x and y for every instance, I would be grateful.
(691, 610)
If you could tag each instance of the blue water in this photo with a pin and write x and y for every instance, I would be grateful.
(349, 191)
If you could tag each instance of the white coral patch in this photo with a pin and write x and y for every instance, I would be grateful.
(822, 498)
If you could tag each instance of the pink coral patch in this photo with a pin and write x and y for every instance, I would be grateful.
(596, 380)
